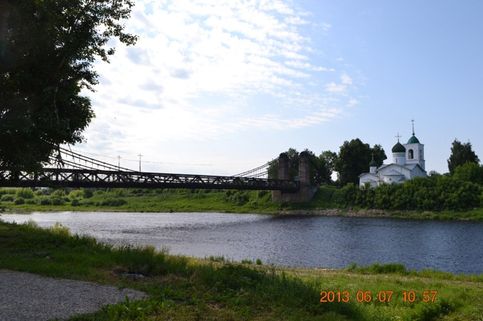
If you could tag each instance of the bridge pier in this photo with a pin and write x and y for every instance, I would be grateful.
(306, 191)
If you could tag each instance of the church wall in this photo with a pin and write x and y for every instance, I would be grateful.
(394, 168)
(368, 179)
(399, 158)
(418, 172)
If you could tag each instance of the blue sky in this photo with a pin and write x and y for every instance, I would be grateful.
(223, 86)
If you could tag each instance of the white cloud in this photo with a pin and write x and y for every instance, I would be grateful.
(341, 87)
(326, 26)
(346, 80)
(352, 102)
(198, 70)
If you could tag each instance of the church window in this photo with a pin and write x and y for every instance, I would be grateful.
(410, 154)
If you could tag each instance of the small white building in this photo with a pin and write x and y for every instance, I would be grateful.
(408, 162)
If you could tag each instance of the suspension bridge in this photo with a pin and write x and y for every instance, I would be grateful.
(72, 169)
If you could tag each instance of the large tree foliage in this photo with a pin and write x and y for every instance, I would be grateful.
(461, 153)
(324, 167)
(354, 158)
(470, 172)
(320, 170)
(47, 52)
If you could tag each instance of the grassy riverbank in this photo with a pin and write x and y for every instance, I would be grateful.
(165, 200)
(182, 288)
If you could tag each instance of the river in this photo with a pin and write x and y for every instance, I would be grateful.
(296, 241)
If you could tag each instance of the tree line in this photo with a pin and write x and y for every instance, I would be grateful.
(460, 189)
(352, 159)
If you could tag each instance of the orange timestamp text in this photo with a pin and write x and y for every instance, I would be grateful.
(383, 296)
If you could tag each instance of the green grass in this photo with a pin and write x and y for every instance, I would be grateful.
(166, 200)
(182, 288)
(142, 200)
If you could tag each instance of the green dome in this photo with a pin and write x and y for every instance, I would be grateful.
(413, 140)
(398, 148)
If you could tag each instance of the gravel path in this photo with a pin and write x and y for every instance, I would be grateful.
(27, 297)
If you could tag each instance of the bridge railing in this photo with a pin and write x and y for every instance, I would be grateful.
(63, 177)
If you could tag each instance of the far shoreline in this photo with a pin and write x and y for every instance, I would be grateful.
(471, 215)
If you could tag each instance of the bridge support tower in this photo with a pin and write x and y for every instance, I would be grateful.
(306, 191)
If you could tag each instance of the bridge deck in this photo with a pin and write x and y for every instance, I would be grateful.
(61, 177)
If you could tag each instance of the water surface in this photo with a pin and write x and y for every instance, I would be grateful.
(301, 241)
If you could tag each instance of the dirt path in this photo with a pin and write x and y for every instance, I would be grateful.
(26, 296)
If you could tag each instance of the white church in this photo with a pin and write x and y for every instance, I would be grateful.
(408, 162)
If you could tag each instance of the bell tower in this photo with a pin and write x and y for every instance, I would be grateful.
(414, 150)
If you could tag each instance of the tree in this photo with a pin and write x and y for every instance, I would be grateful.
(330, 158)
(460, 155)
(47, 52)
(379, 154)
(470, 172)
(320, 171)
(326, 166)
(354, 158)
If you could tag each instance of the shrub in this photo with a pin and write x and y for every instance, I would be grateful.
(325, 194)
(7, 198)
(11, 191)
(87, 193)
(346, 196)
(216, 258)
(57, 201)
(433, 193)
(237, 197)
(60, 229)
(75, 202)
(43, 191)
(60, 193)
(262, 194)
(120, 192)
(428, 312)
(25, 193)
(113, 202)
(379, 268)
(45, 201)
(19, 201)
(470, 172)
(75, 194)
